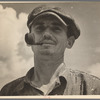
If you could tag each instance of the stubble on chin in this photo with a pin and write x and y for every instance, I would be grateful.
(46, 52)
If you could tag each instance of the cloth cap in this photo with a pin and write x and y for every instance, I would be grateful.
(61, 15)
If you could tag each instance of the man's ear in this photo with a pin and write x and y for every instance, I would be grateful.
(70, 42)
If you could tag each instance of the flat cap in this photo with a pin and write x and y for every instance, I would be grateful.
(74, 30)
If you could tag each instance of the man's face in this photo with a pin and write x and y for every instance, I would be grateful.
(52, 33)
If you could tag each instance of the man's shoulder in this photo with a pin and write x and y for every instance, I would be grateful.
(77, 73)
(10, 87)
(82, 74)
(89, 83)
(85, 75)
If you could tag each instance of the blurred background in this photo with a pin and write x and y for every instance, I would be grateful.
(16, 58)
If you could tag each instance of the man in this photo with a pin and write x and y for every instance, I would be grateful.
(51, 32)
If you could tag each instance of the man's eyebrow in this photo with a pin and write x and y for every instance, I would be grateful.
(57, 24)
(38, 23)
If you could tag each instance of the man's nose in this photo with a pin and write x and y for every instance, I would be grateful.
(47, 34)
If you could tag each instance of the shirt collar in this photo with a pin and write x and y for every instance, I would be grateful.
(54, 81)
(59, 72)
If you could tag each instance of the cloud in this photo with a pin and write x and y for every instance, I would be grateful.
(13, 54)
(97, 50)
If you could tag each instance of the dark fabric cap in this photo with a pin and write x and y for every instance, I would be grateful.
(73, 28)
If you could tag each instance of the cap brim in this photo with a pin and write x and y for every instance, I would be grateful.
(49, 13)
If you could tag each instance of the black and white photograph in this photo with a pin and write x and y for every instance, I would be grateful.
(49, 48)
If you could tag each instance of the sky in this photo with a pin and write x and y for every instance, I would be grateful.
(16, 58)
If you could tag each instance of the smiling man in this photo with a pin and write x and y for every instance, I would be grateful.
(51, 32)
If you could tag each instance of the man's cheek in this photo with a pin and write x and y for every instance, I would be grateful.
(59, 48)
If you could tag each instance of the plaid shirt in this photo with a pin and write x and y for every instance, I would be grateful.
(71, 83)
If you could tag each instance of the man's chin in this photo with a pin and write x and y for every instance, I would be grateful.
(46, 52)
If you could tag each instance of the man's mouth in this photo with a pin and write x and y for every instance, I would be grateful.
(48, 43)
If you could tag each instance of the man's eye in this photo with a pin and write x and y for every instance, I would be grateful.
(40, 28)
(57, 29)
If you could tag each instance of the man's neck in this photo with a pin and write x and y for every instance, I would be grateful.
(45, 68)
